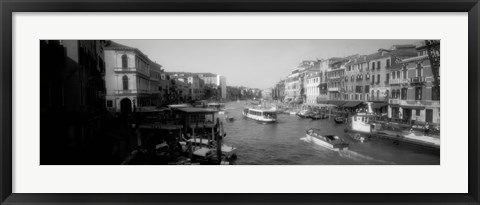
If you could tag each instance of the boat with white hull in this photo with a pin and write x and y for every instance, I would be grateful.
(331, 142)
(261, 115)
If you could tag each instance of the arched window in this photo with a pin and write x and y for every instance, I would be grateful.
(373, 94)
(393, 75)
(125, 82)
(378, 94)
(398, 74)
(124, 61)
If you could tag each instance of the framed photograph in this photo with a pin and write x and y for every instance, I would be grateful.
(239, 102)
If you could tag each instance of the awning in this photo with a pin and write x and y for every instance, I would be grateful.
(378, 105)
(412, 107)
(336, 102)
(352, 104)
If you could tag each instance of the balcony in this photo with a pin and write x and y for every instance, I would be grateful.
(398, 81)
(430, 103)
(130, 70)
(336, 89)
(394, 101)
(131, 92)
(417, 80)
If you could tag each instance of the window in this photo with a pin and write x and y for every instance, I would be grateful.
(387, 93)
(418, 93)
(124, 61)
(404, 93)
(373, 79)
(417, 112)
(125, 82)
(419, 70)
(109, 103)
(378, 94)
(393, 75)
(388, 63)
(378, 65)
(378, 78)
(387, 78)
(435, 93)
(373, 65)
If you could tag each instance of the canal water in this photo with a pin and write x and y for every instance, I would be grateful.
(284, 143)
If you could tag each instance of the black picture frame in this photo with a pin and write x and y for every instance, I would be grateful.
(7, 8)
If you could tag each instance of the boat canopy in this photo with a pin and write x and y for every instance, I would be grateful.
(378, 105)
(196, 110)
(336, 102)
(352, 104)
(179, 106)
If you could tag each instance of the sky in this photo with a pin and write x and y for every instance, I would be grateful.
(251, 63)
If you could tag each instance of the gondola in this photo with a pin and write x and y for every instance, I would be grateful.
(339, 120)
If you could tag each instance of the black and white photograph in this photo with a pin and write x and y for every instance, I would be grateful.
(240, 102)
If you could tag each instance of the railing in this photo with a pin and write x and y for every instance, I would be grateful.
(333, 89)
(394, 101)
(130, 69)
(120, 92)
(417, 80)
(434, 103)
(398, 81)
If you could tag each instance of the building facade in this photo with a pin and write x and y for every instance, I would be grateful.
(129, 81)
(415, 89)
(313, 87)
(335, 78)
(72, 98)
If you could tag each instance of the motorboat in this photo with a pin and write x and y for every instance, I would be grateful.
(332, 142)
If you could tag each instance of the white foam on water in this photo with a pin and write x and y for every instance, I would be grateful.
(306, 139)
(357, 156)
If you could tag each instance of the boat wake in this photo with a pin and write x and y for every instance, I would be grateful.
(357, 156)
(353, 155)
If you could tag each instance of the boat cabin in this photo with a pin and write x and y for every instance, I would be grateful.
(364, 123)
(267, 114)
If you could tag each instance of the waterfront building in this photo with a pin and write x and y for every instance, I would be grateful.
(415, 87)
(323, 92)
(379, 64)
(295, 83)
(292, 87)
(72, 100)
(196, 86)
(335, 78)
(357, 80)
(128, 79)
(279, 91)
(313, 87)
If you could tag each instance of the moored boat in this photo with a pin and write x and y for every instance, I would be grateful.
(220, 107)
(260, 114)
(303, 113)
(339, 120)
(317, 116)
(331, 142)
